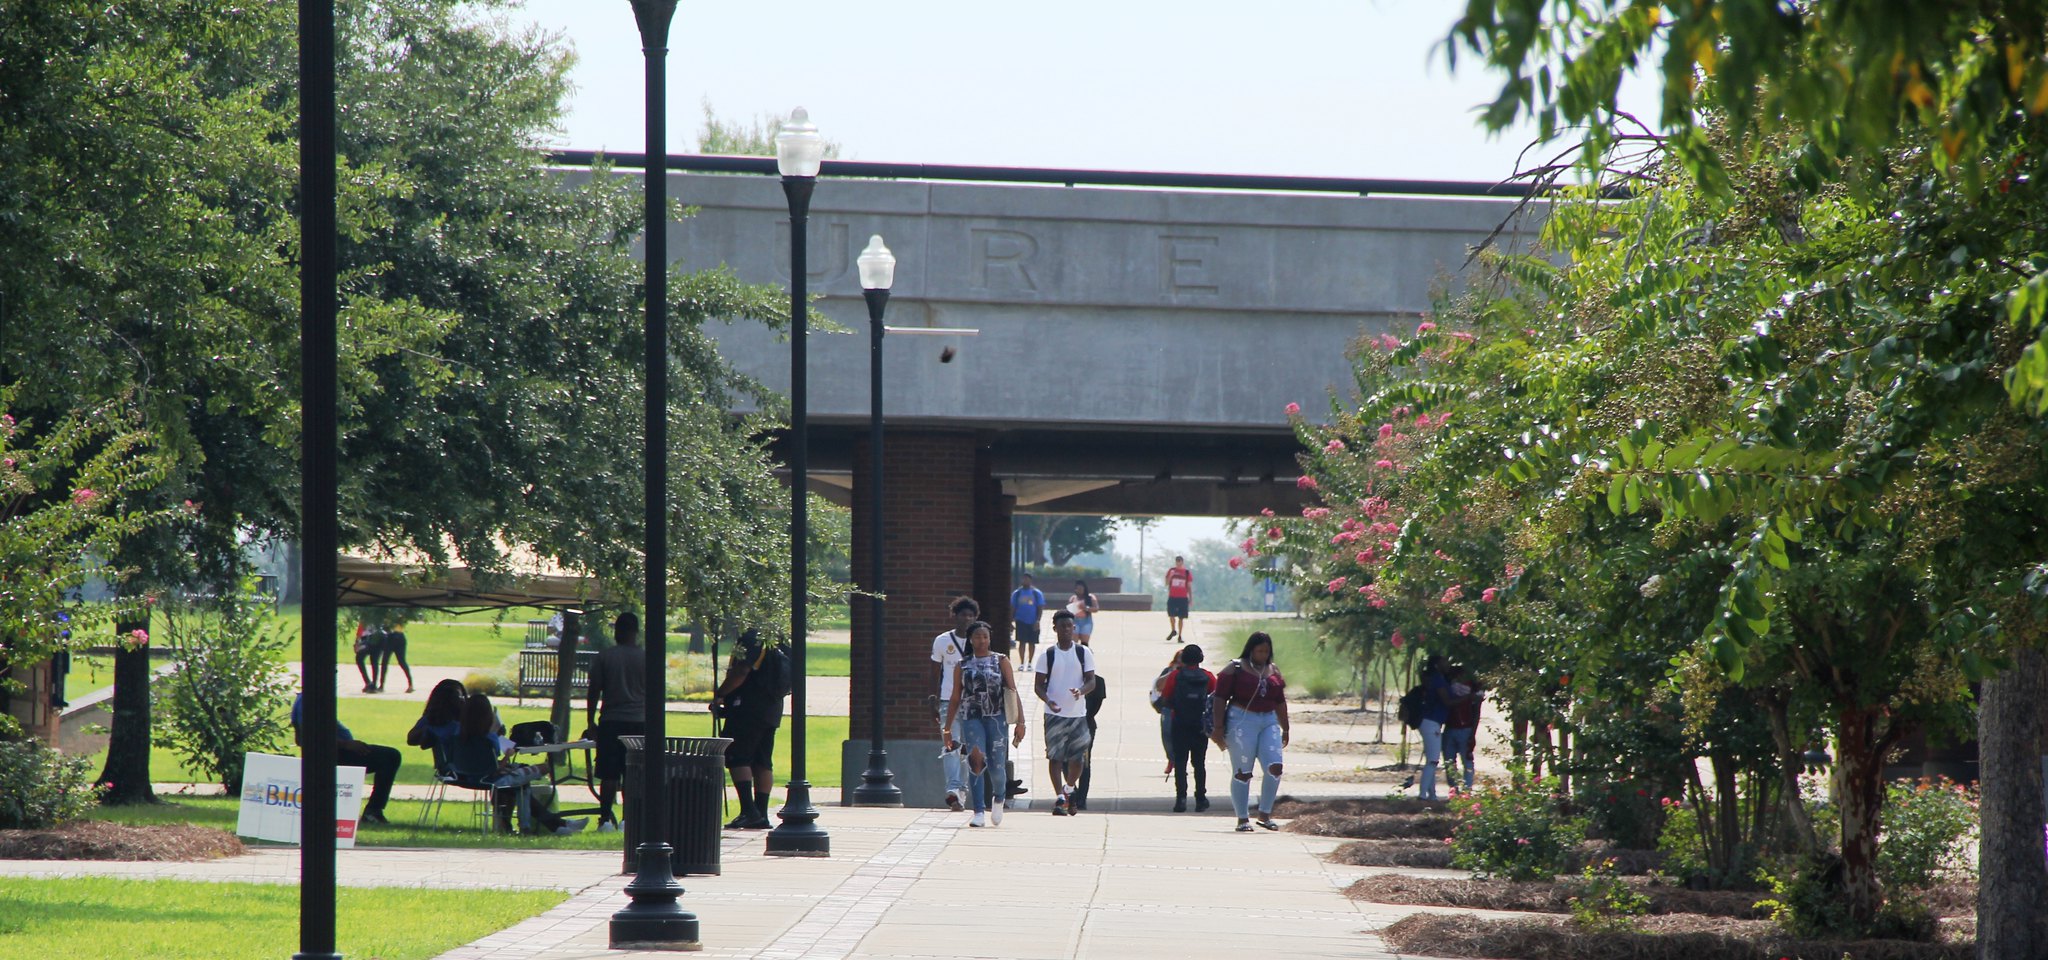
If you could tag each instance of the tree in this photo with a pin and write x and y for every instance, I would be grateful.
(755, 138)
(1062, 537)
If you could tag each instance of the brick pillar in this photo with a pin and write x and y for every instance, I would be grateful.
(992, 510)
(929, 497)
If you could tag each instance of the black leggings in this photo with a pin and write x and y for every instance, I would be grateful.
(1190, 745)
(393, 645)
(366, 661)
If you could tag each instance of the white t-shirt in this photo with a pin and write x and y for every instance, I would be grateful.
(946, 652)
(1065, 675)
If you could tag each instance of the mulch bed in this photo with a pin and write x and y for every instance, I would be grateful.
(1547, 897)
(1392, 853)
(1672, 937)
(99, 840)
(1291, 807)
(1374, 826)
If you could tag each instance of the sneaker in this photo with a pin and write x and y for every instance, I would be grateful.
(1201, 804)
(1244, 826)
(1180, 804)
(953, 802)
(1059, 807)
(978, 821)
(374, 816)
(995, 815)
(608, 826)
(1267, 822)
(1018, 789)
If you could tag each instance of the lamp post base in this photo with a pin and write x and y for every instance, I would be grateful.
(654, 921)
(878, 785)
(799, 835)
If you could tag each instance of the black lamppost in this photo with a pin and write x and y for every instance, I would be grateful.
(319, 499)
(798, 152)
(877, 273)
(654, 920)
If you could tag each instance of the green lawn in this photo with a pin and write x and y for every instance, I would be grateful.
(98, 918)
(386, 722)
(1315, 672)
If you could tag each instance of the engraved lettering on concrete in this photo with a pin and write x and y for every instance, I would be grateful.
(1002, 259)
(1184, 268)
(830, 253)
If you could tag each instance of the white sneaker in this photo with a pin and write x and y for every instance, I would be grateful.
(953, 802)
(995, 815)
(978, 821)
(609, 826)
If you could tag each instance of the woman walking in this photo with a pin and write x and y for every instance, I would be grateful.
(1251, 722)
(1083, 606)
(983, 684)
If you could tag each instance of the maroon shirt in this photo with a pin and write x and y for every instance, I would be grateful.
(1240, 688)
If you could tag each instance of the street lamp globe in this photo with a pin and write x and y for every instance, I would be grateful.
(877, 265)
(798, 147)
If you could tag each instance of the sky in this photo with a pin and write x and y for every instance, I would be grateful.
(1350, 88)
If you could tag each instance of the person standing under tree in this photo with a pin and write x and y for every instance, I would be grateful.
(1064, 676)
(1027, 605)
(619, 681)
(750, 700)
(1180, 584)
(1436, 712)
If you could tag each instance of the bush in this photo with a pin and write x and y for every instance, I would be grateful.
(1517, 832)
(1606, 903)
(1685, 853)
(1809, 901)
(228, 691)
(44, 787)
(1927, 828)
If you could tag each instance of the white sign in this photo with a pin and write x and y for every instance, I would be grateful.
(270, 800)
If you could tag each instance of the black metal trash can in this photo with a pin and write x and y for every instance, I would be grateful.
(696, 802)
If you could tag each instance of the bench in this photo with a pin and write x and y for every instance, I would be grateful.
(537, 673)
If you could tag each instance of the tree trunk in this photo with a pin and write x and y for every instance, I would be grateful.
(1790, 761)
(2012, 881)
(126, 775)
(1859, 791)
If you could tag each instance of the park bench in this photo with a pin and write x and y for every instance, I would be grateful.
(537, 673)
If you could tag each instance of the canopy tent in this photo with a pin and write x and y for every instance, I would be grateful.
(362, 582)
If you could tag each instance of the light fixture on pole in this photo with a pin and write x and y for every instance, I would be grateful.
(799, 151)
(877, 274)
(654, 920)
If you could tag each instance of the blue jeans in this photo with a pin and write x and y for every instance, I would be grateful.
(1432, 750)
(1458, 749)
(987, 734)
(1252, 738)
(950, 759)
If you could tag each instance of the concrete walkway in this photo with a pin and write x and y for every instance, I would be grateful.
(1126, 879)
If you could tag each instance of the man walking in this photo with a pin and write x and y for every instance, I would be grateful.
(1027, 603)
(948, 649)
(750, 700)
(618, 682)
(1180, 584)
(1064, 676)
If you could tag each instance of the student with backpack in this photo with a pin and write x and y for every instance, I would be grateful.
(1250, 719)
(750, 701)
(1065, 676)
(1186, 693)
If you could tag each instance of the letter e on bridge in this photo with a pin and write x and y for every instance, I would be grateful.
(1184, 266)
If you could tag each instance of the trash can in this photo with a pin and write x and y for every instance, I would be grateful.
(696, 802)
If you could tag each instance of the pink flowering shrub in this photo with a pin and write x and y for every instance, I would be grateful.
(1515, 833)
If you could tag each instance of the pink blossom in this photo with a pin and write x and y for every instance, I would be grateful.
(1315, 513)
(10, 463)
(1524, 841)
(1367, 589)
(1249, 545)
(1338, 584)
(1487, 595)
(1462, 335)
(1293, 409)
(83, 496)
(1390, 342)
(1352, 523)
(191, 508)
(1386, 431)
(1274, 533)
(1373, 506)
(1528, 331)
(1305, 482)
(1400, 437)
(1265, 511)
(1454, 594)
(1443, 418)
(1387, 545)
(1384, 464)
(1397, 640)
(1236, 562)
(1403, 410)
(1334, 446)
(1465, 629)
(1513, 570)
(1422, 421)
(1425, 327)
(136, 638)
(1378, 603)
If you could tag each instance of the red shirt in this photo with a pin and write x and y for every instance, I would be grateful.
(1241, 688)
(1166, 689)
(1178, 580)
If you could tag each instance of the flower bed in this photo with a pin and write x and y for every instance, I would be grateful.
(1548, 896)
(1668, 937)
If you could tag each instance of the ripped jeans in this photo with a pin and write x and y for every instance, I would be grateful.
(1253, 738)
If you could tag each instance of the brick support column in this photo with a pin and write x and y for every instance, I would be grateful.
(929, 497)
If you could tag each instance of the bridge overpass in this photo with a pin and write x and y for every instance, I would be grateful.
(1137, 351)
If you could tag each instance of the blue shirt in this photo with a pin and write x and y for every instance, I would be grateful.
(1434, 707)
(299, 719)
(1026, 604)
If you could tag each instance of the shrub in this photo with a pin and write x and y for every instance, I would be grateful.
(1606, 903)
(1685, 853)
(44, 787)
(1517, 832)
(1927, 829)
(1808, 901)
(228, 691)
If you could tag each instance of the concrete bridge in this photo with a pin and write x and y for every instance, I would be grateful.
(1138, 349)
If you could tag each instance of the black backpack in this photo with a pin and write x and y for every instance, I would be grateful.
(1190, 704)
(776, 667)
(1412, 704)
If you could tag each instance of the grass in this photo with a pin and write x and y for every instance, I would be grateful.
(387, 721)
(1319, 672)
(179, 919)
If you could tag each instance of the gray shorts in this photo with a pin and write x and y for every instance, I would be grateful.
(1067, 739)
